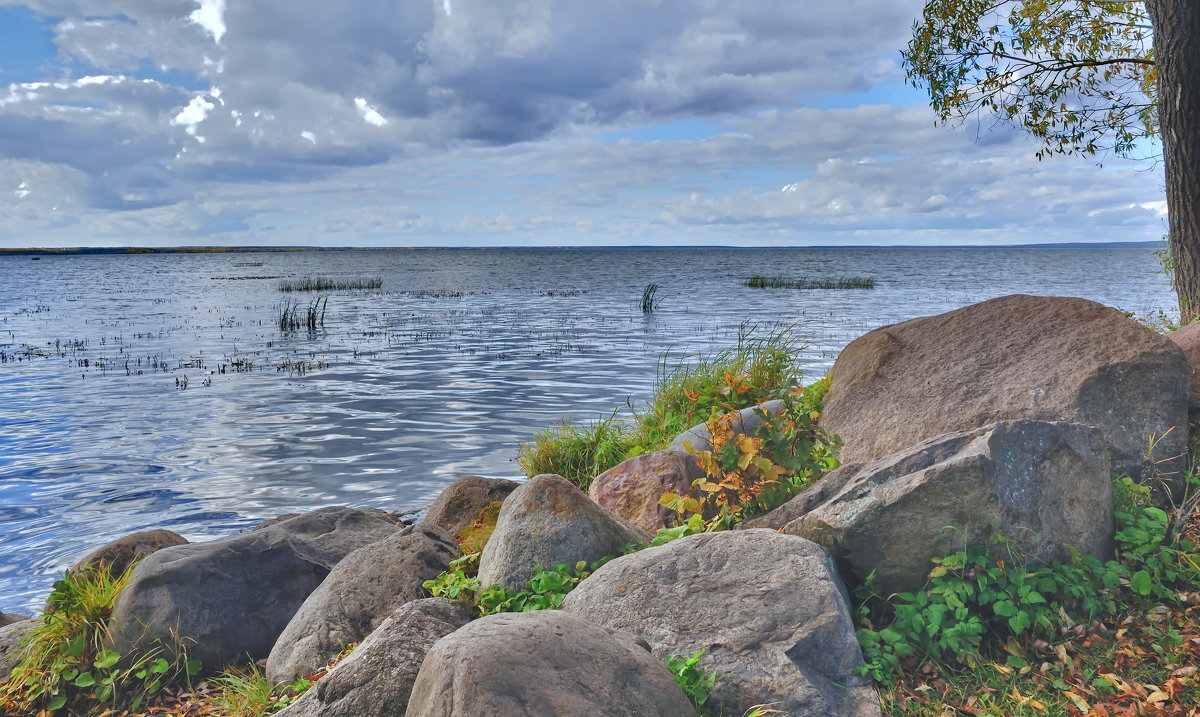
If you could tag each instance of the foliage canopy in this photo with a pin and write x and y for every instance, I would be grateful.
(1077, 74)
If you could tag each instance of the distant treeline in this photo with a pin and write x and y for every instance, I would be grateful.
(184, 249)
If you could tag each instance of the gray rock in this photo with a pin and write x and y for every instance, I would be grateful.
(1043, 485)
(456, 507)
(12, 645)
(817, 493)
(376, 679)
(539, 664)
(123, 552)
(632, 488)
(360, 592)
(1016, 357)
(229, 599)
(768, 608)
(748, 421)
(549, 521)
(8, 618)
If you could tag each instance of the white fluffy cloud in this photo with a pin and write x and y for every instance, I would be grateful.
(197, 120)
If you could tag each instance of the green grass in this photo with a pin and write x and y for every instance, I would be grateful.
(687, 392)
(783, 282)
(68, 660)
(245, 692)
(328, 283)
(577, 451)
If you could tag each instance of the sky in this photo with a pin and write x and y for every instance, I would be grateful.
(525, 122)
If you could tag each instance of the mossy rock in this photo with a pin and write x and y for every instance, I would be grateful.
(473, 537)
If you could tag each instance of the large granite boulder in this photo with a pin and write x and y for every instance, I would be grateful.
(1044, 486)
(123, 552)
(698, 438)
(768, 607)
(376, 678)
(633, 488)
(543, 663)
(1016, 357)
(548, 521)
(360, 592)
(13, 639)
(229, 599)
(1188, 339)
(457, 507)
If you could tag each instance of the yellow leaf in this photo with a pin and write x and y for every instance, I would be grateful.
(1080, 703)
(710, 487)
(1004, 669)
(1158, 696)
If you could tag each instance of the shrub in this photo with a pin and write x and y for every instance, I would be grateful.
(67, 657)
(750, 474)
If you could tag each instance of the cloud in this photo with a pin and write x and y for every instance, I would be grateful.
(494, 122)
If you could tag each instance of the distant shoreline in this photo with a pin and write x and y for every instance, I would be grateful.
(73, 251)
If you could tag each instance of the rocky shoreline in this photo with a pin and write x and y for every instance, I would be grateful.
(1009, 417)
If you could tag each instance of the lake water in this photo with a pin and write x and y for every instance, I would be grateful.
(143, 391)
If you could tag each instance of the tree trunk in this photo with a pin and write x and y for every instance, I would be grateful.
(1177, 62)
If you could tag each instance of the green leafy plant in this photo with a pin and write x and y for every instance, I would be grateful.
(696, 682)
(748, 474)
(68, 656)
(459, 582)
(988, 599)
(546, 590)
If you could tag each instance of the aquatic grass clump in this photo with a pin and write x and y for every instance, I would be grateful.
(291, 318)
(650, 300)
(783, 282)
(328, 283)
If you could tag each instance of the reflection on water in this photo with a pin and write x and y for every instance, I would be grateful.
(441, 373)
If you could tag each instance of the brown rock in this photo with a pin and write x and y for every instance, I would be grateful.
(123, 552)
(1188, 339)
(632, 488)
(1016, 357)
(457, 507)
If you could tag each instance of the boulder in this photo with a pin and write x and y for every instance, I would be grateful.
(1188, 339)
(1016, 357)
(376, 678)
(748, 420)
(12, 645)
(822, 490)
(360, 592)
(632, 488)
(1045, 486)
(123, 552)
(768, 608)
(8, 618)
(229, 599)
(548, 521)
(457, 507)
(543, 663)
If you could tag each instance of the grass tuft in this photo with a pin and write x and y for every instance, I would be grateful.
(650, 299)
(783, 282)
(687, 392)
(328, 283)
